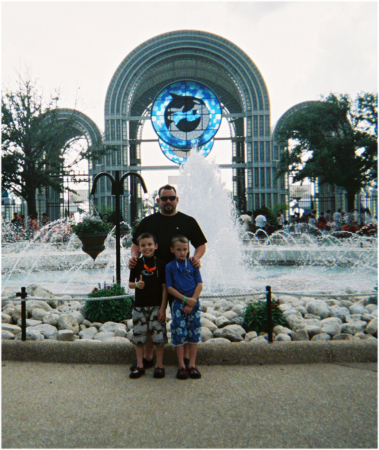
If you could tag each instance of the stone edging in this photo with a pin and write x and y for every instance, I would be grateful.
(300, 352)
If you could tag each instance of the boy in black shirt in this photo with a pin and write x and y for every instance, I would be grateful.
(149, 312)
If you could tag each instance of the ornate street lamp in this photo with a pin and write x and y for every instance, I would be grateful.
(117, 190)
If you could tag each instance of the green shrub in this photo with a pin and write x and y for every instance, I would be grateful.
(255, 317)
(109, 310)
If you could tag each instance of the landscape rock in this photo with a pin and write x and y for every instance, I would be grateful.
(51, 318)
(234, 333)
(66, 335)
(342, 337)
(358, 308)
(300, 335)
(6, 335)
(319, 308)
(353, 327)
(221, 321)
(33, 304)
(39, 314)
(283, 337)
(103, 335)
(14, 329)
(68, 322)
(321, 337)
(48, 331)
(218, 341)
(372, 327)
(6, 318)
(206, 334)
(209, 324)
(88, 333)
(340, 311)
(331, 329)
(250, 335)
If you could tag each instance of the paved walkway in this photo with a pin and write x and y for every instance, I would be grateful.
(53, 405)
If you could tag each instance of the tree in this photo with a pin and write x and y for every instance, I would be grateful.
(334, 140)
(35, 141)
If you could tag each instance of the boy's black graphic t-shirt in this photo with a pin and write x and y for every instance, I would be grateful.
(151, 294)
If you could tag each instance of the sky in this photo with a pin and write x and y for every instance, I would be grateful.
(303, 49)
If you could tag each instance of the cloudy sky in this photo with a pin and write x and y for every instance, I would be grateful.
(302, 49)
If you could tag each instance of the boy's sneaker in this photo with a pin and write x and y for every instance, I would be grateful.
(194, 373)
(182, 374)
(186, 362)
(147, 363)
(137, 372)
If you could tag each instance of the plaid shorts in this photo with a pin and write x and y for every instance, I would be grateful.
(145, 320)
(185, 327)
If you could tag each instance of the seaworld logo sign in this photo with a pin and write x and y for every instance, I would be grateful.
(184, 115)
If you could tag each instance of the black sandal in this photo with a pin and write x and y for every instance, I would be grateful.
(194, 373)
(137, 372)
(182, 374)
(159, 372)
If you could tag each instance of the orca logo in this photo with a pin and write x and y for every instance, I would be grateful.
(184, 113)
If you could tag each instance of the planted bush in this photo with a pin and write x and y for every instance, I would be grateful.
(255, 317)
(109, 310)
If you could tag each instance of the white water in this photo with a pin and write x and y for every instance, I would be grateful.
(228, 266)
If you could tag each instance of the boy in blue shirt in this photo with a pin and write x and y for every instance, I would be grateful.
(184, 282)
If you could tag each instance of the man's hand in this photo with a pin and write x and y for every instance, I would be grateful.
(190, 301)
(187, 309)
(161, 315)
(133, 262)
(141, 283)
(195, 262)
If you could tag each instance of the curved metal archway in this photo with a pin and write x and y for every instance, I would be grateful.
(228, 72)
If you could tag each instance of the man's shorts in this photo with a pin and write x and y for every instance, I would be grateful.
(185, 327)
(145, 320)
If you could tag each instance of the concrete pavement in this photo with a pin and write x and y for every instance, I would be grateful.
(56, 405)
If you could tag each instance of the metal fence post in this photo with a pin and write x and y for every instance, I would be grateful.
(269, 314)
(23, 296)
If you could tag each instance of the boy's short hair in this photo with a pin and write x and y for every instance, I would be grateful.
(166, 187)
(179, 238)
(146, 236)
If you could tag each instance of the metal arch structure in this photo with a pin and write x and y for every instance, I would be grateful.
(234, 78)
(79, 125)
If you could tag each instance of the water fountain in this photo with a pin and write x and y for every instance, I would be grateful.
(234, 262)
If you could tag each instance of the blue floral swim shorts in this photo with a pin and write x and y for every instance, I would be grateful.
(185, 327)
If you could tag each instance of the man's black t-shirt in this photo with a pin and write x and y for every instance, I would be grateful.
(151, 294)
(164, 228)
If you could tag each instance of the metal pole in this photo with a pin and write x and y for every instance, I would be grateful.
(118, 231)
(269, 314)
(23, 296)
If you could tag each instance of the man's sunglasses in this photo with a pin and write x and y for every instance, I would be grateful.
(171, 198)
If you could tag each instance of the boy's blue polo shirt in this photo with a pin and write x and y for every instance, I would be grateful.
(182, 276)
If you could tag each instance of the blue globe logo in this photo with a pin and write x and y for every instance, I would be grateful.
(186, 114)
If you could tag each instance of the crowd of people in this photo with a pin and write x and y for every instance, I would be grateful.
(311, 223)
(20, 229)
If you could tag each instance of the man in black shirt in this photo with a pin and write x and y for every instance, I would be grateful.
(165, 224)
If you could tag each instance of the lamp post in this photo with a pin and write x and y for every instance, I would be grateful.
(117, 190)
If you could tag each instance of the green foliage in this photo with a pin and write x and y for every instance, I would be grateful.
(109, 310)
(334, 140)
(255, 317)
(92, 225)
(36, 137)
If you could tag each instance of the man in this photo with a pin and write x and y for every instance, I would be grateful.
(164, 225)
(245, 218)
(260, 221)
